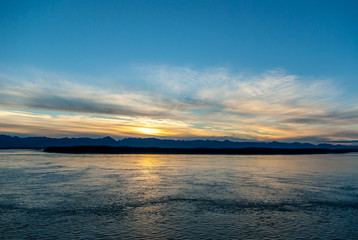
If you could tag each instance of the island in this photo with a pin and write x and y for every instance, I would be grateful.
(222, 151)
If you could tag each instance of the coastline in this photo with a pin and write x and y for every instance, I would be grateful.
(204, 151)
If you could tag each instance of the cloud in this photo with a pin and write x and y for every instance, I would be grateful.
(179, 102)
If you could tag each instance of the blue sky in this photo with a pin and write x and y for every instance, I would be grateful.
(180, 68)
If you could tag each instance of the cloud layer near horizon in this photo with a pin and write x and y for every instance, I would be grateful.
(177, 102)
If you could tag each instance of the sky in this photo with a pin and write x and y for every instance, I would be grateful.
(240, 70)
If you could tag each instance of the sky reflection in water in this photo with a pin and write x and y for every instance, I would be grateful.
(177, 196)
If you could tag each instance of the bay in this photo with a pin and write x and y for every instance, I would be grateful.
(94, 196)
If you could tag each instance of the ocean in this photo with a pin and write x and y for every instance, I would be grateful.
(137, 196)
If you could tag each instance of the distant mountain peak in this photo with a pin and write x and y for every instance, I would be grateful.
(108, 138)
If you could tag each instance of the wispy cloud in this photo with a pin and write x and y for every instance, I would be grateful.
(178, 102)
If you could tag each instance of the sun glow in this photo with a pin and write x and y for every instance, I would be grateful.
(149, 131)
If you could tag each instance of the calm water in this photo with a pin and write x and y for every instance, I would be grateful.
(52, 196)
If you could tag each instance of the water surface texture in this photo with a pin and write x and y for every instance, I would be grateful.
(64, 196)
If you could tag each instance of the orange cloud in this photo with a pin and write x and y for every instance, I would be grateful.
(179, 103)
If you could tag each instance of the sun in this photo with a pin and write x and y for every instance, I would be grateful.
(149, 131)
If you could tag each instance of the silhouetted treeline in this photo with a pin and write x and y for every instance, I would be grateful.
(227, 151)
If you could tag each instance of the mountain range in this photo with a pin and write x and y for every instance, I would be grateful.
(13, 142)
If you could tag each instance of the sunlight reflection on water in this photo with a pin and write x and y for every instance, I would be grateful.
(45, 195)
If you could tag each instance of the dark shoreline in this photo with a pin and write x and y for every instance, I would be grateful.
(226, 151)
